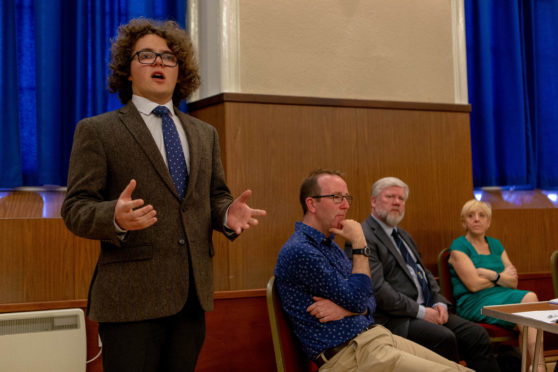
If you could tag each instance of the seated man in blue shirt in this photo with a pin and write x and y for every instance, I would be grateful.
(328, 299)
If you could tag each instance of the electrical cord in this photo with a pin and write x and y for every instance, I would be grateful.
(96, 356)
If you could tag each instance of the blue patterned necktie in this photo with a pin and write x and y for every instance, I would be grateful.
(418, 271)
(173, 149)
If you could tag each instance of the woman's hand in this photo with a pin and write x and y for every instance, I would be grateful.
(508, 277)
(511, 271)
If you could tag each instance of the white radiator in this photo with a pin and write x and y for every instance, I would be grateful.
(45, 341)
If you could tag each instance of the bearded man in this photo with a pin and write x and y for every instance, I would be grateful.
(407, 295)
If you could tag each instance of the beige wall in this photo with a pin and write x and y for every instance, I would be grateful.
(389, 50)
(399, 50)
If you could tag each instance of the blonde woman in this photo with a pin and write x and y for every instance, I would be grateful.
(482, 273)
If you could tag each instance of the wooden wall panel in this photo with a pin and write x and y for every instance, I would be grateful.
(272, 143)
(238, 334)
(21, 205)
(540, 283)
(12, 267)
(528, 235)
(43, 261)
(221, 261)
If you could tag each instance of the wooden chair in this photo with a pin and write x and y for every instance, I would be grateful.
(289, 357)
(551, 340)
(554, 269)
(497, 334)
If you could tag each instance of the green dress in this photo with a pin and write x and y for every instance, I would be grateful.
(469, 304)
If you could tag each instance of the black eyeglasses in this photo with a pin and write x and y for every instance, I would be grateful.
(148, 57)
(337, 199)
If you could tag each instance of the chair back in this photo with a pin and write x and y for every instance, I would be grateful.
(289, 356)
(496, 333)
(554, 269)
(446, 289)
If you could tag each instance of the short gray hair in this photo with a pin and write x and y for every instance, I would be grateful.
(386, 182)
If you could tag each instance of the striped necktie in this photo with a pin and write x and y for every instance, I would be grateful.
(419, 272)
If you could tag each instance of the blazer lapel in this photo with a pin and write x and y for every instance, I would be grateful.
(193, 137)
(388, 243)
(133, 121)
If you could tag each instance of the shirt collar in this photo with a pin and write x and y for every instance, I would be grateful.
(145, 106)
(314, 234)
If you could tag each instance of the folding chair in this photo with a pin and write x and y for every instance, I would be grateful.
(554, 269)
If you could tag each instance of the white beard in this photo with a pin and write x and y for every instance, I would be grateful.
(390, 219)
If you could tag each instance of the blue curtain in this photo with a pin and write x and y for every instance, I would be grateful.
(512, 62)
(53, 72)
(10, 153)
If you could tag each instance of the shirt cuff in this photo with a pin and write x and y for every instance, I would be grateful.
(371, 309)
(226, 218)
(421, 312)
(119, 231)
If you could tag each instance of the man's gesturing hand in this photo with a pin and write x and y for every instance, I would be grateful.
(241, 216)
(128, 214)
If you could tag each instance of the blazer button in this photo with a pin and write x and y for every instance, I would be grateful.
(181, 241)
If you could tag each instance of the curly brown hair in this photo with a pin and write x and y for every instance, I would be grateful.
(178, 41)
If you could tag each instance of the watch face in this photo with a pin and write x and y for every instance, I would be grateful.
(367, 251)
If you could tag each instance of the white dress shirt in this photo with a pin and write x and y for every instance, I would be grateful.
(155, 125)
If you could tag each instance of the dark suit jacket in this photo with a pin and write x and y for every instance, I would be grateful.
(146, 275)
(395, 291)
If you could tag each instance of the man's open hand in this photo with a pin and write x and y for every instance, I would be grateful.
(128, 214)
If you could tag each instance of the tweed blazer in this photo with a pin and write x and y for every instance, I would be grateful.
(395, 291)
(146, 274)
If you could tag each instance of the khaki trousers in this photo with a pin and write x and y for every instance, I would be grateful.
(379, 350)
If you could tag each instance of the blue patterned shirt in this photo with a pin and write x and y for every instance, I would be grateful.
(310, 264)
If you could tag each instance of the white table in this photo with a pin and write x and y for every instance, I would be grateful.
(508, 313)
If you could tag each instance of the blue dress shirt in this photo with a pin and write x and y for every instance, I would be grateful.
(310, 264)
